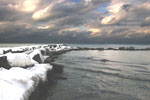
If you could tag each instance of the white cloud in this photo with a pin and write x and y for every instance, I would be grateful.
(25, 5)
(116, 12)
(41, 14)
(30, 5)
(43, 27)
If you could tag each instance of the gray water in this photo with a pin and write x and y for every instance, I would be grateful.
(103, 75)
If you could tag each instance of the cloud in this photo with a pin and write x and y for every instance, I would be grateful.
(43, 27)
(6, 13)
(126, 12)
(146, 22)
(24, 5)
(118, 11)
(60, 9)
(30, 5)
(41, 14)
(84, 21)
(144, 30)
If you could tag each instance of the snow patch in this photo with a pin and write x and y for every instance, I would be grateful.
(20, 60)
(1, 51)
(18, 83)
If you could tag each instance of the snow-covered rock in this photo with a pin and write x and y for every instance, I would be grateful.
(20, 60)
(18, 83)
(1, 51)
(37, 52)
(40, 70)
(4, 62)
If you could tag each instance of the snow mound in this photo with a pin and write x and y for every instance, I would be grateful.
(1, 51)
(20, 60)
(40, 70)
(60, 47)
(18, 83)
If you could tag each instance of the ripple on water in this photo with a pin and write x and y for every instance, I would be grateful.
(103, 76)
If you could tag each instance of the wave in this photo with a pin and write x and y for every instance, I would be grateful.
(117, 96)
(114, 74)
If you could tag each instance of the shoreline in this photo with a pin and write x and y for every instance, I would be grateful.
(34, 60)
(41, 91)
(45, 54)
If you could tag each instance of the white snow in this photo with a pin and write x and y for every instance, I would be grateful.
(40, 70)
(18, 83)
(45, 57)
(15, 49)
(20, 60)
(1, 51)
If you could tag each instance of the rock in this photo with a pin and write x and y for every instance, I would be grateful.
(110, 49)
(147, 48)
(130, 48)
(48, 51)
(4, 63)
(17, 51)
(43, 52)
(104, 60)
(122, 48)
(37, 58)
(33, 48)
(100, 48)
(7, 51)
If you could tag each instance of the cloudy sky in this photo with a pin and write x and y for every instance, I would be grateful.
(75, 21)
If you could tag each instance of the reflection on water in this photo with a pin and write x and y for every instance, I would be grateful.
(109, 45)
(103, 75)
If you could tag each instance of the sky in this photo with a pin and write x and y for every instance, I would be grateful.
(75, 21)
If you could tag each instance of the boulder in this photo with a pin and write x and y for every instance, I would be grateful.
(37, 58)
(110, 48)
(4, 63)
(47, 51)
(20, 60)
(100, 48)
(130, 48)
(122, 48)
(7, 51)
(104, 60)
(147, 48)
(43, 51)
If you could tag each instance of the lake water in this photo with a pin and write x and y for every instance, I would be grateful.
(103, 75)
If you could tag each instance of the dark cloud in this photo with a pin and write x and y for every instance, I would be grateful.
(123, 21)
(7, 14)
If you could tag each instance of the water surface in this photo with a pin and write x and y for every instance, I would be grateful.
(103, 75)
